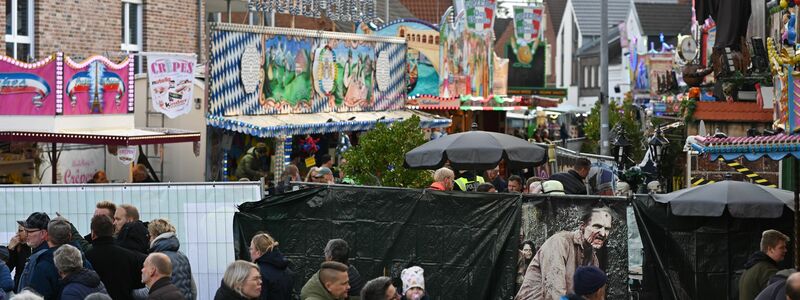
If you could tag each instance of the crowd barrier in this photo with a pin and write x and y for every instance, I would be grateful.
(201, 212)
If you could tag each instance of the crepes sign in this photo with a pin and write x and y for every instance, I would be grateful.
(171, 79)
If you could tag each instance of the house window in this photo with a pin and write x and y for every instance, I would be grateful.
(19, 29)
(596, 76)
(132, 30)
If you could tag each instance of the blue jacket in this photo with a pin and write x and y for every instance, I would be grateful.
(45, 280)
(6, 282)
(276, 277)
(80, 284)
(25, 279)
(168, 244)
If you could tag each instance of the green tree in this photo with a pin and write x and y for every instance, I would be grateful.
(378, 157)
(624, 113)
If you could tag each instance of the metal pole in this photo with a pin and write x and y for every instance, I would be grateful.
(229, 11)
(54, 162)
(604, 78)
(387, 13)
(796, 170)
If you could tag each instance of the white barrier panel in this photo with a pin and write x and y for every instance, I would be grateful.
(201, 212)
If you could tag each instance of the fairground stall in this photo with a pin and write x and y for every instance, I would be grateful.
(303, 93)
(57, 102)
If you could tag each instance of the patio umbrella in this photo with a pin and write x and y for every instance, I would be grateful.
(742, 199)
(476, 150)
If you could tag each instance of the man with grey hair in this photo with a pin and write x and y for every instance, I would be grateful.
(339, 251)
(45, 278)
(156, 274)
(443, 180)
(78, 281)
(27, 295)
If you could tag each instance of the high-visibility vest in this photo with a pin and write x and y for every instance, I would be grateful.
(467, 185)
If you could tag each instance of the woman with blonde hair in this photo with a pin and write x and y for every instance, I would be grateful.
(241, 281)
(276, 276)
(163, 239)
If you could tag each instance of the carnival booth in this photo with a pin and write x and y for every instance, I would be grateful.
(59, 101)
(305, 93)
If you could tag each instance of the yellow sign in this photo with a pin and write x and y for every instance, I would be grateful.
(310, 162)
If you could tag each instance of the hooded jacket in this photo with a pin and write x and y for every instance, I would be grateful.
(226, 293)
(276, 277)
(133, 236)
(437, 186)
(315, 290)
(80, 284)
(758, 269)
(168, 244)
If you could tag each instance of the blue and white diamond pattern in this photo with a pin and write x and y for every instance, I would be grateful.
(226, 91)
(394, 95)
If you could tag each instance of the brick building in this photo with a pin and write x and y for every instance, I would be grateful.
(81, 28)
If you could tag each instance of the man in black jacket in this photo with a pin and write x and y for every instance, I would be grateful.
(131, 233)
(339, 251)
(572, 180)
(156, 275)
(119, 268)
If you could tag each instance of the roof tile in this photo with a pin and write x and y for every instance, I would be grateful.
(732, 112)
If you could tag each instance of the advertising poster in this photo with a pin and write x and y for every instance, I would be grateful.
(658, 65)
(97, 86)
(171, 82)
(27, 89)
(466, 60)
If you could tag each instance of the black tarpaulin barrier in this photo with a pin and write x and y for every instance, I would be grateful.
(466, 242)
(543, 216)
(699, 257)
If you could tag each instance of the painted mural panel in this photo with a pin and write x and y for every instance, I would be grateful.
(422, 57)
(466, 57)
(98, 86)
(303, 73)
(27, 89)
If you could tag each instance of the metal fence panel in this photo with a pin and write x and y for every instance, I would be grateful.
(201, 212)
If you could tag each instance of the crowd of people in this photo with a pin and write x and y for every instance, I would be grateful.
(123, 257)
(572, 182)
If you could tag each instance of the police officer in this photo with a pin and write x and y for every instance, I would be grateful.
(468, 182)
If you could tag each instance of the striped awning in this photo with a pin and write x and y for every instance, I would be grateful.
(298, 124)
(775, 147)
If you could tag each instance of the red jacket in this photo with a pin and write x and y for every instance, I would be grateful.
(437, 186)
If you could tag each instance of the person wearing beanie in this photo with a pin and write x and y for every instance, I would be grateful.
(413, 284)
(590, 284)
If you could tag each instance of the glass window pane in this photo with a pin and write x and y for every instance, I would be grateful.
(22, 17)
(133, 14)
(8, 17)
(10, 49)
(23, 51)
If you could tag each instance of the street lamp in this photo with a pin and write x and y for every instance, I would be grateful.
(656, 144)
(621, 147)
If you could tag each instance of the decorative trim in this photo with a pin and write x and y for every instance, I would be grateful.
(105, 60)
(97, 139)
(305, 33)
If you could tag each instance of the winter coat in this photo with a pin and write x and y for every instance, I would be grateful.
(276, 278)
(133, 236)
(226, 293)
(758, 269)
(776, 288)
(250, 166)
(80, 284)
(27, 272)
(315, 290)
(6, 282)
(163, 289)
(168, 244)
(500, 185)
(572, 182)
(119, 268)
(549, 276)
(17, 259)
(356, 283)
(45, 279)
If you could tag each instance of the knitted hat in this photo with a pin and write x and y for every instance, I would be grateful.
(588, 280)
(413, 277)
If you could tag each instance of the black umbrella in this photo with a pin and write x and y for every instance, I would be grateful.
(742, 199)
(476, 150)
